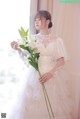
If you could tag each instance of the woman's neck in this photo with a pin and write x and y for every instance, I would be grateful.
(44, 32)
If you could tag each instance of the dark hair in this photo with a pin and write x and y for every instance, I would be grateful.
(46, 14)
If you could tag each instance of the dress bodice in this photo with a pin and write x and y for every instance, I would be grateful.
(50, 50)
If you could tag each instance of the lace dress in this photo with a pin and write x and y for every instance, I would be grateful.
(31, 103)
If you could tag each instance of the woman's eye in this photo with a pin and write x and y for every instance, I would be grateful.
(37, 20)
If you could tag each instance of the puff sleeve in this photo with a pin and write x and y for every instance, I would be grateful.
(24, 57)
(61, 49)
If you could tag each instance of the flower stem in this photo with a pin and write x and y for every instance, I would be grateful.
(47, 100)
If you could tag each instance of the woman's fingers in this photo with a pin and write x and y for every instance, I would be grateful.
(45, 77)
(14, 45)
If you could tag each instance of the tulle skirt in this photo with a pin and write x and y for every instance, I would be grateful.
(30, 103)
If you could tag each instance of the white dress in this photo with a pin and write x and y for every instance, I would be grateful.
(31, 103)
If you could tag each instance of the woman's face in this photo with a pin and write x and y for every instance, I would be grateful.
(41, 23)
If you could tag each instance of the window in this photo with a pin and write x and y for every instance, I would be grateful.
(13, 15)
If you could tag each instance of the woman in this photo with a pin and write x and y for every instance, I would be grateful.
(51, 62)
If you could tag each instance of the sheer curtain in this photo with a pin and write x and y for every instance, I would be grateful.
(13, 15)
(33, 10)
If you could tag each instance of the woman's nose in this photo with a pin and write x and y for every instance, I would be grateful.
(36, 22)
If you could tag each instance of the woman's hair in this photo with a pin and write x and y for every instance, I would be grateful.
(46, 14)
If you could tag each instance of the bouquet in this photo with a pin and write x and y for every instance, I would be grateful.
(28, 44)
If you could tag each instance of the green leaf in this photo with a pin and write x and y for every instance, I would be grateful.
(23, 33)
(30, 59)
(25, 48)
(36, 55)
(22, 29)
(34, 65)
(33, 62)
(27, 32)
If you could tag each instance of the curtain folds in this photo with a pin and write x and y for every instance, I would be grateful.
(33, 10)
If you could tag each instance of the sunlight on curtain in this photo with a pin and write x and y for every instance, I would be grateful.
(13, 15)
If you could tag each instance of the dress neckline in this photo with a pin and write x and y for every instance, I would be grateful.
(44, 35)
(45, 39)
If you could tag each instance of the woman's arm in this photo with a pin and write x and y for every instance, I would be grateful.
(60, 62)
(45, 77)
(16, 47)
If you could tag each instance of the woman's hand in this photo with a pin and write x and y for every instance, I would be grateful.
(15, 46)
(45, 77)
